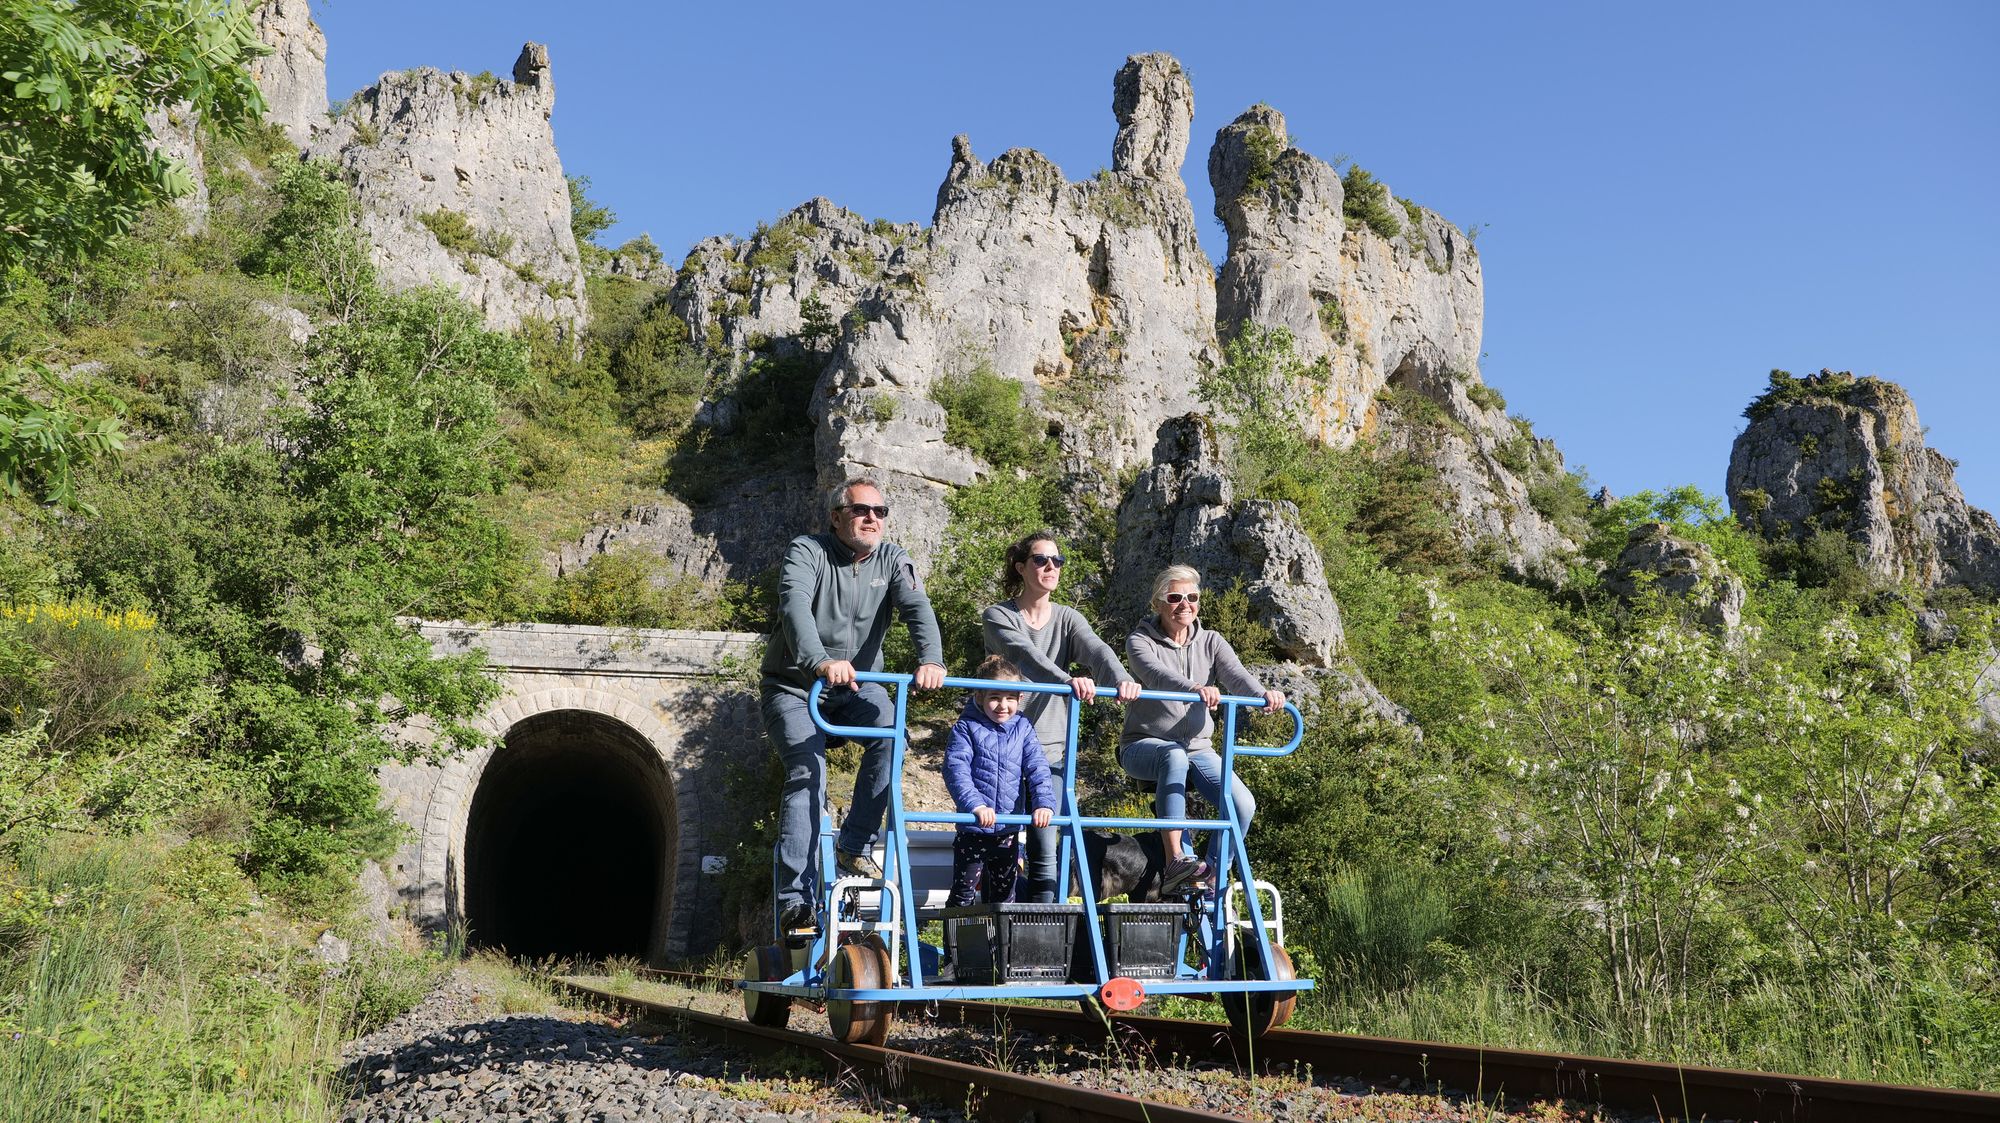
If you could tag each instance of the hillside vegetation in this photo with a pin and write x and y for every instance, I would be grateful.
(1612, 827)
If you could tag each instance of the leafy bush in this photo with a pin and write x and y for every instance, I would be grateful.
(1366, 202)
(625, 589)
(985, 416)
(659, 373)
(1485, 397)
(452, 230)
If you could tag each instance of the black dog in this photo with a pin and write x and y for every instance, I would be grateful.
(1129, 864)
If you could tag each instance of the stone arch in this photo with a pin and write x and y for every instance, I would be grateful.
(442, 895)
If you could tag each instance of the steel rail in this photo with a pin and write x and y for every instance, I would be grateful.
(1657, 1088)
(983, 1093)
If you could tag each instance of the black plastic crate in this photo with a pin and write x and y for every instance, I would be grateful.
(1141, 941)
(1011, 942)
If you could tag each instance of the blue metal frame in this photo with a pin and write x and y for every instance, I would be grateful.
(1231, 855)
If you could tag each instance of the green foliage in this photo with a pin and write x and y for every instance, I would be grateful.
(776, 248)
(627, 589)
(310, 244)
(1688, 514)
(660, 375)
(1264, 149)
(80, 78)
(587, 217)
(452, 230)
(1826, 386)
(473, 88)
(48, 430)
(1366, 202)
(1485, 397)
(820, 329)
(140, 989)
(1333, 320)
(985, 416)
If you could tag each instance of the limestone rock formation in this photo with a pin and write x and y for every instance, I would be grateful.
(1096, 296)
(1375, 317)
(1181, 510)
(1686, 571)
(175, 134)
(735, 537)
(1834, 452)
(738, 295)
(459, 183)
(293, 75)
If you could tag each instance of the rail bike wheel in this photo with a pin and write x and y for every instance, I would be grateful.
(862, 965)
(766, 963)
(1254, 1013)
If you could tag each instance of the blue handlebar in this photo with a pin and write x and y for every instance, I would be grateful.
(871, 732)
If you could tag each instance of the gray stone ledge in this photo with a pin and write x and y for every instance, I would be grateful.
(582, 649)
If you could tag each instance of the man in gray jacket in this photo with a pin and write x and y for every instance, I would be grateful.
(836, 594)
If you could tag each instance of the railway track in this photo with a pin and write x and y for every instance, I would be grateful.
(985, 1093)
(1653, 1089)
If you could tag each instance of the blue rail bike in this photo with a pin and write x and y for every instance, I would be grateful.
(864, 957)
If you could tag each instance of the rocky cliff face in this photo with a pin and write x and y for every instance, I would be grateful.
(1834, 452)
(459, 183)
(1095, 296)
(176, 135)
(293, 75)
(1378, 316)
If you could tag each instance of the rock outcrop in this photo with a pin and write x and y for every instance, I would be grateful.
(459, 183)
(737, 536)
(293, 76)
(1832, 452)
(175, 133)
(739, 295)
(1095, 296)
(1686, 571)
(1182, 511)
(1375, 316)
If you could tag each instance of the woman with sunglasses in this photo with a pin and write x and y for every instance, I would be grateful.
(1045, 639)
(1168, 742)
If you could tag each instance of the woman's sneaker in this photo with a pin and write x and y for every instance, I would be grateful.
(1183, 873)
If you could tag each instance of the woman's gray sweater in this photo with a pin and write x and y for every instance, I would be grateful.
(1044, 654)
(1205, 659)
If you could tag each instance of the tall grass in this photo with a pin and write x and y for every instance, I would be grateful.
(1391, 960)
(127, 997)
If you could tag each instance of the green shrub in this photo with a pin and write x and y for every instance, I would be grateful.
(660, 376)
(625, 589)
(985, 416)
(1365, 202)
(1485, 396)
(1228, 611)
(1333, 320)
(1380, 920)
(452, 230)
(777, 248)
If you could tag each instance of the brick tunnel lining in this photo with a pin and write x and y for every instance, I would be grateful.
(569, 842)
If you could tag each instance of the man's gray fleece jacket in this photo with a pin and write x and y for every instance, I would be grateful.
(831, 606)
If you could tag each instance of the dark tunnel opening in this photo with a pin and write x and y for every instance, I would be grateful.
(568, 842)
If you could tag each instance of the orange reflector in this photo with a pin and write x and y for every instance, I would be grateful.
(1122, 994)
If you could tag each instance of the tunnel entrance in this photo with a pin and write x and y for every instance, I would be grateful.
(569, 842)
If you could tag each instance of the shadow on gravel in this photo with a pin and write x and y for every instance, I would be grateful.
(499, 1046)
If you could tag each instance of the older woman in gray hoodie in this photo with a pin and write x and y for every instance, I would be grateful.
(1047, 641)
(1168, 742)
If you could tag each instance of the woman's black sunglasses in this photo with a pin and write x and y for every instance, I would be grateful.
(1044, 560)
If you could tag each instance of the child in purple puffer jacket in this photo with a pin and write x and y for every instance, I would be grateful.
(991, 747)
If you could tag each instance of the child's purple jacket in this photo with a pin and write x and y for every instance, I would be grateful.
(984, 762)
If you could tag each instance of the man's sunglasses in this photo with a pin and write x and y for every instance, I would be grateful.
(1176, 598)
(862, 510)
(1043, 561)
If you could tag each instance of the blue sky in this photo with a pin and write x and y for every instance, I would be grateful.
(1674, 198)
